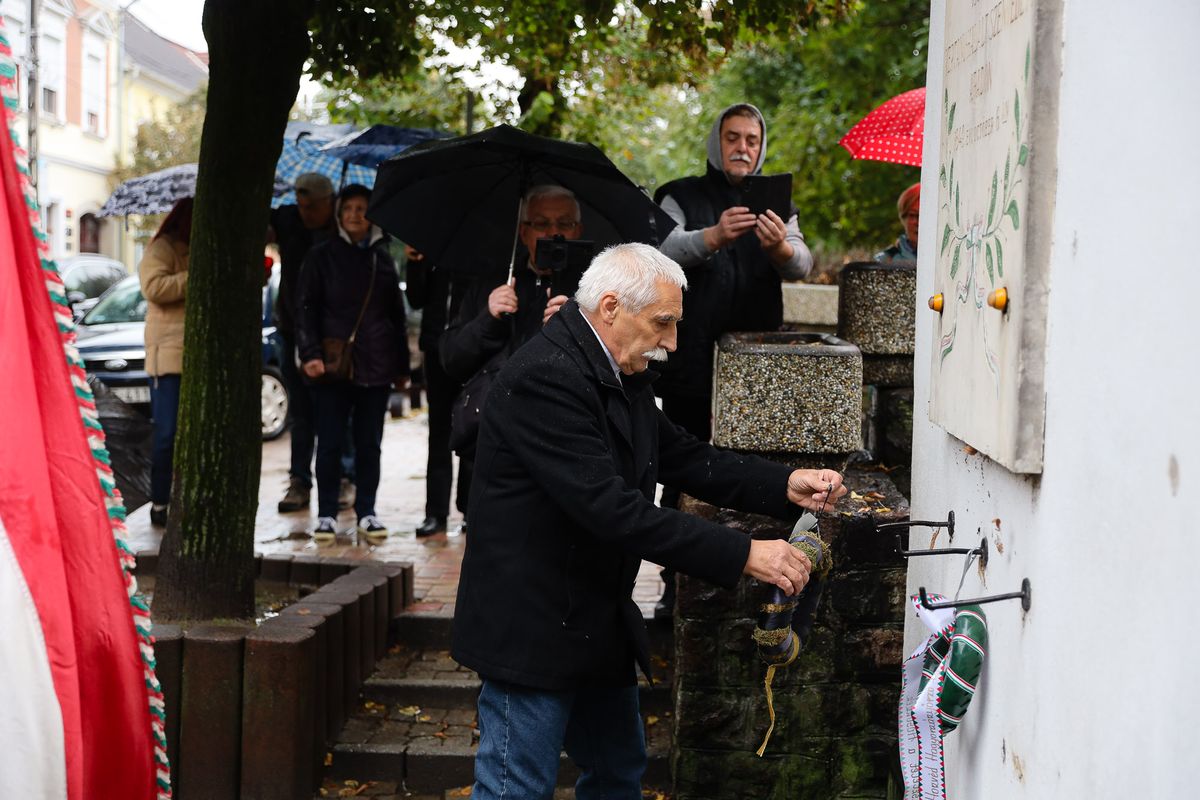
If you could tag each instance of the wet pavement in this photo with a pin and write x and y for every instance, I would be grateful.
(400, 506)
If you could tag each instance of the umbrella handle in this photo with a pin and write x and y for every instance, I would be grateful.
(512, 261)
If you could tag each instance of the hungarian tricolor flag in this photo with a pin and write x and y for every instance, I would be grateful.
(80, 709)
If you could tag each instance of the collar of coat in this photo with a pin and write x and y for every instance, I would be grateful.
(568, 328)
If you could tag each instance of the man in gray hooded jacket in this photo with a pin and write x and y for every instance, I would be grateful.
(734, 261)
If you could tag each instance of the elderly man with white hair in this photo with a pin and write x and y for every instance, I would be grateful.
(570, 450)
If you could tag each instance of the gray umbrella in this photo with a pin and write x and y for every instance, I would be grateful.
(157, 192)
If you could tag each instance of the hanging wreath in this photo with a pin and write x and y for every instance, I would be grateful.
(939, 680)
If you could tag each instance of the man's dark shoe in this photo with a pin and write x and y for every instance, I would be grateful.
(346, 495)
(296, 498)
(431, 526)
(158, 516)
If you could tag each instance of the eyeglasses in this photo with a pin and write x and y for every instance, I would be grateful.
(546, 225)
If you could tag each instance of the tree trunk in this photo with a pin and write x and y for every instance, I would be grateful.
(257, 50)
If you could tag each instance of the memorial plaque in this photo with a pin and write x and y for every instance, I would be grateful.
(996, 173)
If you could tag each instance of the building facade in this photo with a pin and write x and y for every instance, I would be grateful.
(101, 73)
(1077, 698)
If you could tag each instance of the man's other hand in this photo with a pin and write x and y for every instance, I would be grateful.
(502, 300)
(733, 223)
(553, 307)
(776, 562)
(814, 488)
(413, 254)
(314, 368)
(772, 235)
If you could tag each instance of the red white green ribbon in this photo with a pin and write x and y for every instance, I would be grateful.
(938, 682)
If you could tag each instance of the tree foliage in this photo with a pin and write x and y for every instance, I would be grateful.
(552, 44)
(810, 88)
(174, 140)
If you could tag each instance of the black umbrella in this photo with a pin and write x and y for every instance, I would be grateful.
(457, 200)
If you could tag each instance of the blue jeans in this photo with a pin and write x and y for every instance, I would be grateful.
(523, 730)
(365, 408)
(164, 410)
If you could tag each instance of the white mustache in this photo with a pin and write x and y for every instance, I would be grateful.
(657, 354)
(740, 157)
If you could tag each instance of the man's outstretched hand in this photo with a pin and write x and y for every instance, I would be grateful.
(814, 488)
(776, 562)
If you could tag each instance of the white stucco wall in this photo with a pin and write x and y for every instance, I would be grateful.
(1095, 693)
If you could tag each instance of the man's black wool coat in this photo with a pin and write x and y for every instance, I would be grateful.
(562, 513)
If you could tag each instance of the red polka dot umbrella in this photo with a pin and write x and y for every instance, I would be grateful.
(893, 132)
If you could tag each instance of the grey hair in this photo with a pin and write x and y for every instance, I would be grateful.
(547, 190)
(633, 272)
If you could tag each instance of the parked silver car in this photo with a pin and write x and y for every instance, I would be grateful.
(111, 341)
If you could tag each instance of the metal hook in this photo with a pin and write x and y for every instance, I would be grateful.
(981, 551)
(1024, 594)
(948, 524)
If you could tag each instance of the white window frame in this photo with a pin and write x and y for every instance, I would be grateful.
(15, 15)
(94, 48)
(52, 25)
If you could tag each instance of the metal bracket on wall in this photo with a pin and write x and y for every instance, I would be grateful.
(981, 551)
(948, 524)
(1025, 594)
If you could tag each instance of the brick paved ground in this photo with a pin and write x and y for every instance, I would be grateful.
(401, 506)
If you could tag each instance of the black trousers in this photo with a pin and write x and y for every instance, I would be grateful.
(366, 408)
(441, 391)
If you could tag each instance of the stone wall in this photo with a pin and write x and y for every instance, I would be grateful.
(835, 732)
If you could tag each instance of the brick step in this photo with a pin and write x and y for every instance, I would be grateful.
(433, 630)
(426, 768)
(416, 726)
(462, 693)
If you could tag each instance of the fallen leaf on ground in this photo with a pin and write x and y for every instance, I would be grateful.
(408, 711)
(651, 720)
(424, 718)
(462, 791)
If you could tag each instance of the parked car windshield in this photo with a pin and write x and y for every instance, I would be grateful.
(122, 303)
(92, 278)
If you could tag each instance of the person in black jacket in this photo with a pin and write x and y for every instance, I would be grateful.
(296, 228)
(438, 294)
(495, 313)
(350, 290)
(562, 508)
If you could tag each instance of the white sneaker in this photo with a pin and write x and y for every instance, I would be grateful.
(326, 530)
(371, 528)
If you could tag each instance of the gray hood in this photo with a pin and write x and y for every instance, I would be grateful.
(714, 138)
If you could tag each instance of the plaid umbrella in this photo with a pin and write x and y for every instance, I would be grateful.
(303, 154)
(378, 143)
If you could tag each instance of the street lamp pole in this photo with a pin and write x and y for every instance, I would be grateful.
(34, 93)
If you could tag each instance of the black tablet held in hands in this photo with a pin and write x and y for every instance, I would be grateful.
(760, 192)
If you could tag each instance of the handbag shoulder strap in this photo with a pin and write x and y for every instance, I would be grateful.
(367, 299)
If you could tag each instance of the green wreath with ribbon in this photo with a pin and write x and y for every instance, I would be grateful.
(939, 680)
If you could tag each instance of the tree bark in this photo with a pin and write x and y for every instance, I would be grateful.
(257, 50)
